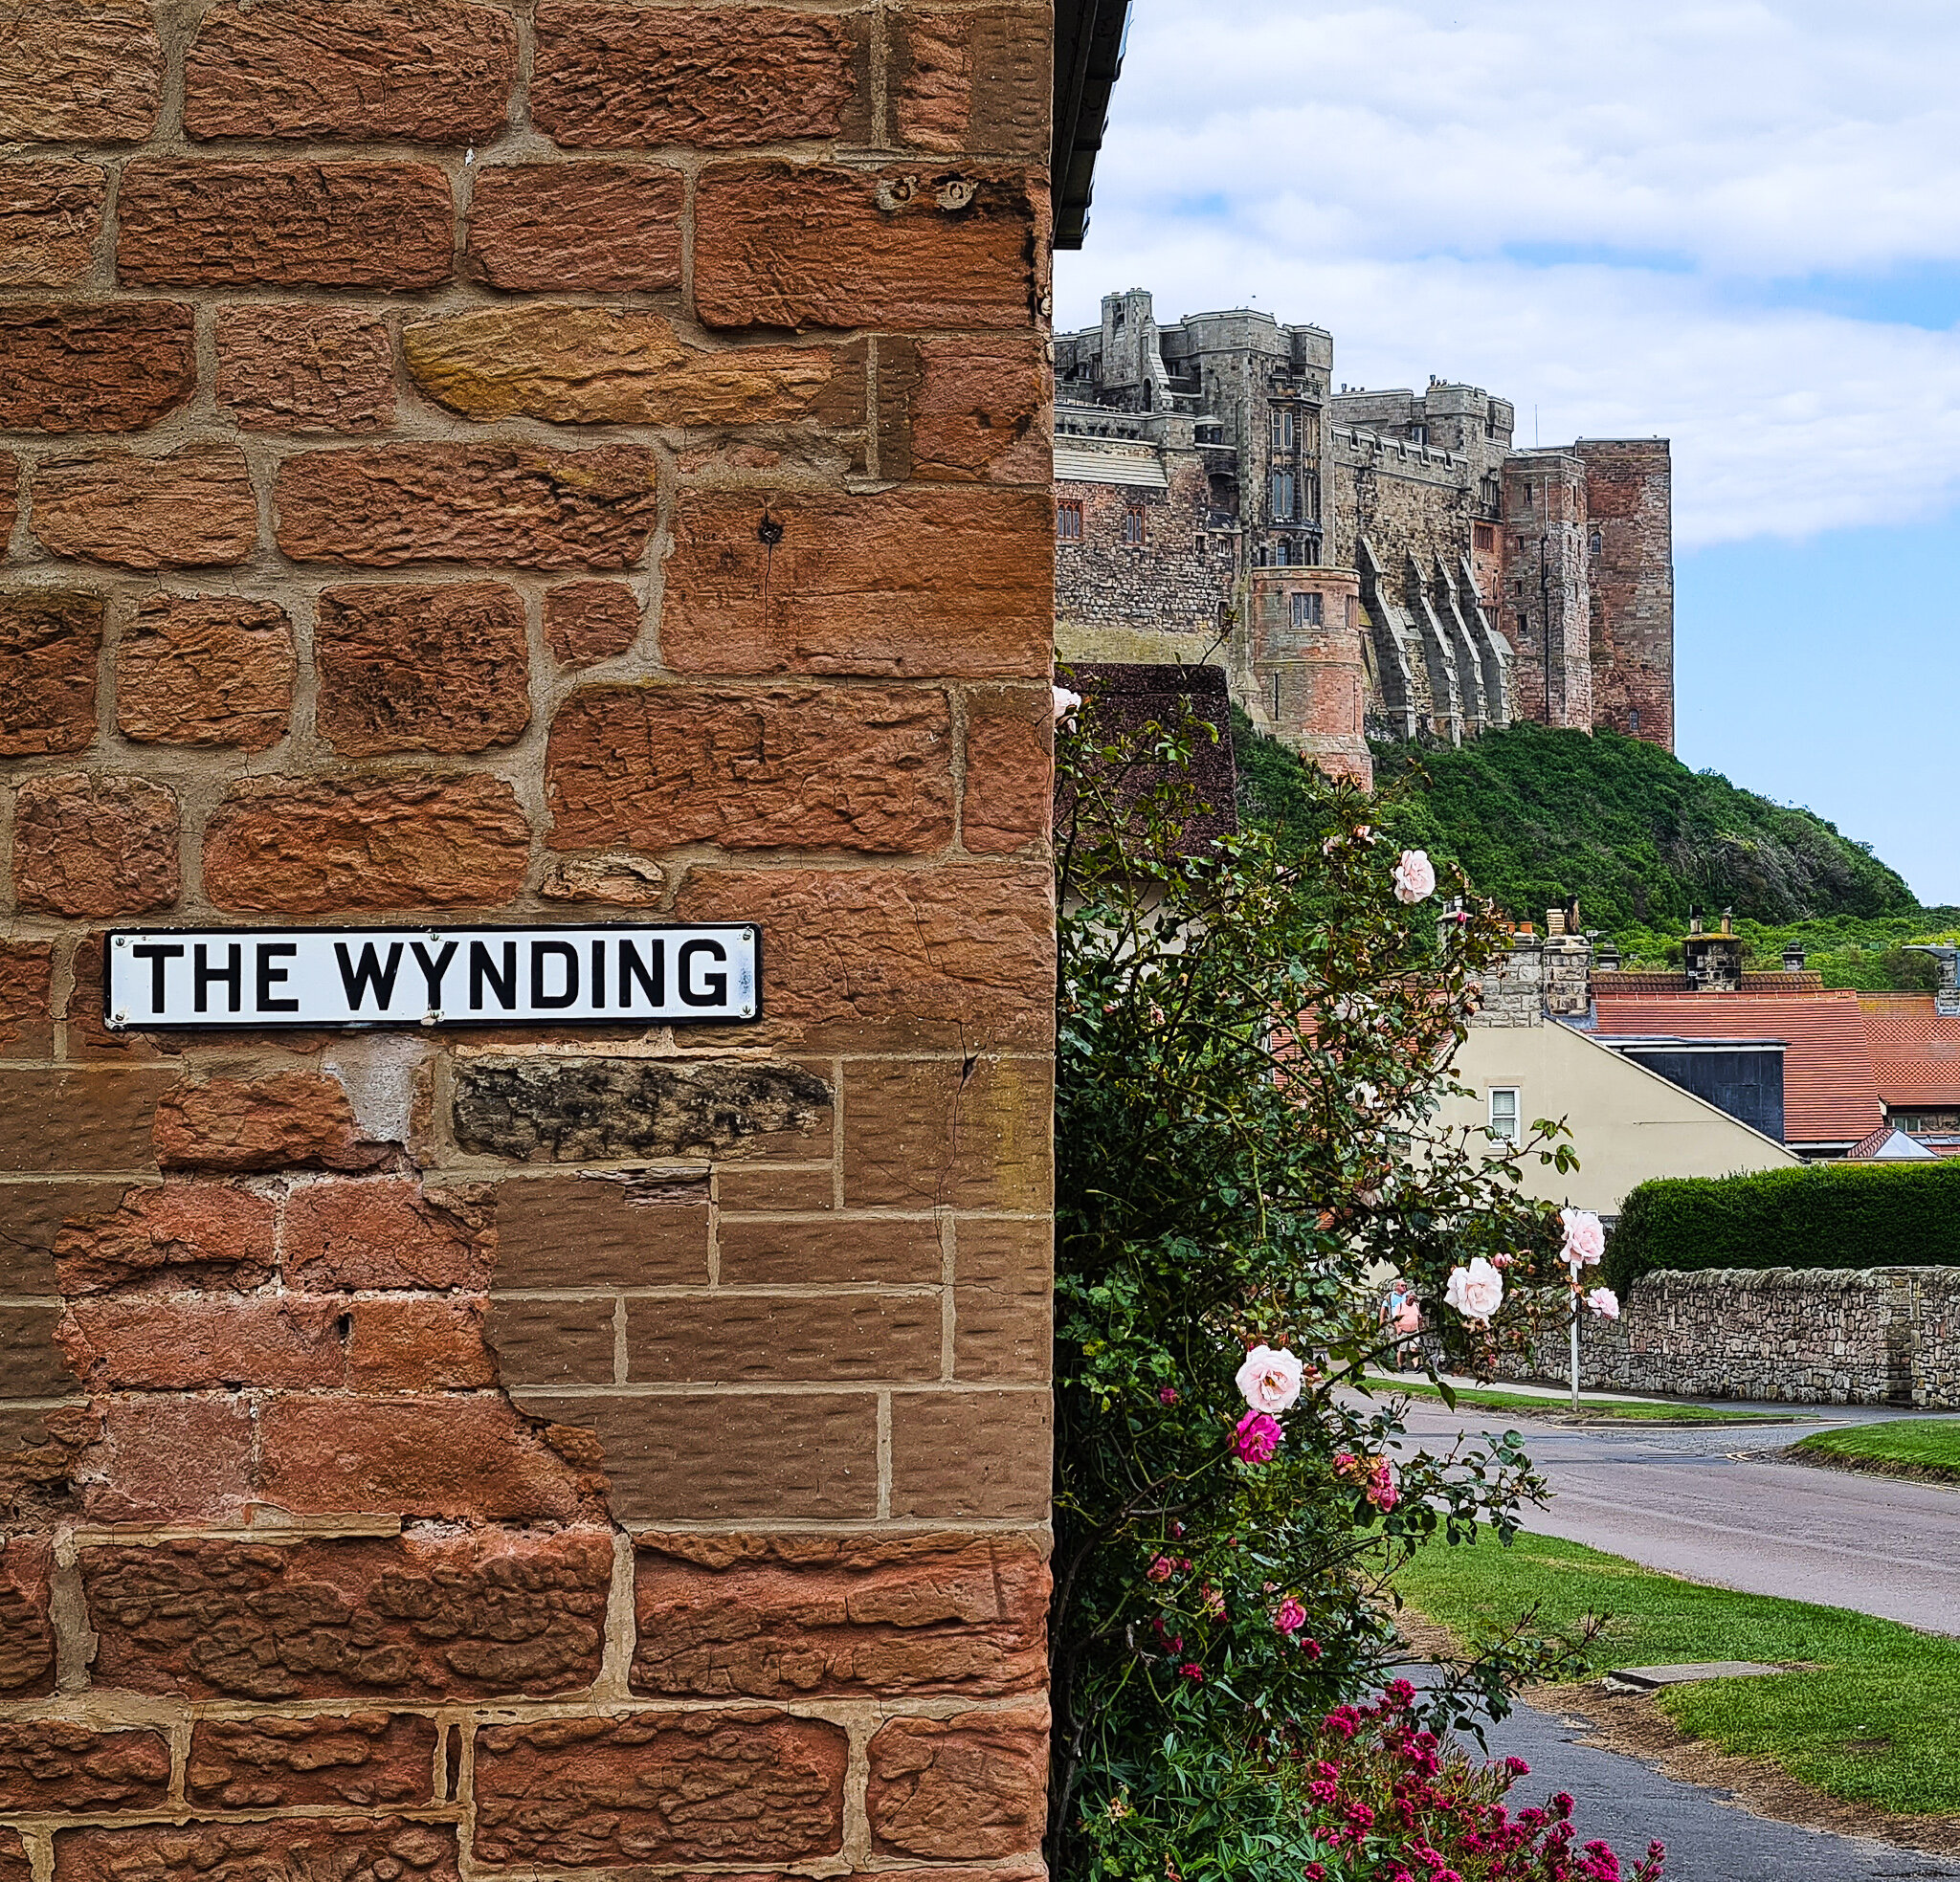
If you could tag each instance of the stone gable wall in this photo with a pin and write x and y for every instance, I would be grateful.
(524, 463)
(1874, 1336)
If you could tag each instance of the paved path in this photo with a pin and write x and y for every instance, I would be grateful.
(1708, 1840)
(1706, 1502)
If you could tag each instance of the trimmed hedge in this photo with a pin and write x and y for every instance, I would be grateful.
(1824, 1215)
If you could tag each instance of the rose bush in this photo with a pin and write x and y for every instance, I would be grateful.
(1252, 1037)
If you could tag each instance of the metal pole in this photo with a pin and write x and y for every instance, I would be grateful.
(1575, 1347)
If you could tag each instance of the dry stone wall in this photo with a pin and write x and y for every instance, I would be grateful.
(1874, 1335)
(526, 463)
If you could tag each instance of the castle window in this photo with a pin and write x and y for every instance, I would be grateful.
(1198, 543)
(1310, 492)
(1285, 496)
(1285, 431)
(1522, 624)
(1133, 524)
(1528, 496)
(1418, 434)
(1503, 1113)
(1306, 610)
(1068, 522)
(1482, 536)
(1634, 721)
(1595, 544)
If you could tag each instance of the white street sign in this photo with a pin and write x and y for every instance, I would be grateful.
(431, 976)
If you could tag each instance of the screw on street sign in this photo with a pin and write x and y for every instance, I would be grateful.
(344, 977)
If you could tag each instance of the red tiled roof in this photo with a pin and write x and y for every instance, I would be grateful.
(1830, 1090)
(1915, 1051)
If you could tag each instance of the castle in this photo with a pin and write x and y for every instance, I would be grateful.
(1363, 564)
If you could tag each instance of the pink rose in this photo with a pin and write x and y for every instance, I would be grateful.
(1604, 1302)
(1415, 877)
(1162, 1569)
(1474, 1292)
(1585, 1238)
(1066, 704)
(1258, 1436)
(1381, 1486)
(1166, 1394)
(1289, 1616)
(1270, 1380)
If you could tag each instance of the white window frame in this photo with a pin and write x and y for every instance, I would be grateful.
(1515, 1133)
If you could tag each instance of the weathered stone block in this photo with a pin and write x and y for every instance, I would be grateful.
(49, 639)
(1004, 1274)
(503, 505)
(668, 1458)
(553, 1342)
(283, 225)
(122, 1344)
(414, 1345)
(205, 669)
(52, 1764)
(364, 1758)
(974, 1786)
(387, 1233)
(971, 1455)
(616, 880)
(589, 621)
(300, 846)
(644, 1231)
(290, 1121)
(963, 411)
(651, 767)
(30, 1366)
(800, 245)
(613, 77)
(940, 1134)
(765, 1616)
(162, 1458)
(93, 1119)
(174, 1235)
(442, 1456)
(1009, 800)
(79, 367)
(192, 509)
(607, 366)
(444, 669)
(576, 228)
(425, 1616)
(79, 74)
(305, 370)
(964, 953)
(898, 1250)
(424, 72)
(904, 582)
(336, 1847)
(722, 1786)
(27, 1025)
(973, 81)
(596, 1110)
(95, 845)
(27, 1638)
(50, 215)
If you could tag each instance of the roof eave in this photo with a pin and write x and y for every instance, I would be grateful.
(1088, 59)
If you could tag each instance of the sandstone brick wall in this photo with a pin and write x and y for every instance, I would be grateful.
(514, 463)
(1874, 1335)
(1629, 508)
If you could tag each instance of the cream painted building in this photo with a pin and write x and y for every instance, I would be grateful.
(1627, 1123)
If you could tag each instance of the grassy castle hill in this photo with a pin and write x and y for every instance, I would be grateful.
(1534, 813)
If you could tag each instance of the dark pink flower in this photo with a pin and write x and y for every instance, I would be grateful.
(1160, 1570)
(1289, 1616)
(1167, 1395)
(1257, 1437)
(1191, 1670)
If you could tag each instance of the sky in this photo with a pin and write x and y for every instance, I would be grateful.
(1736, 225)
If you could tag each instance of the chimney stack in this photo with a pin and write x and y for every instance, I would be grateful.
(1607, 955)
(1793, 957)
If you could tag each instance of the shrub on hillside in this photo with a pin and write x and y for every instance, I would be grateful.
(1823, 1215)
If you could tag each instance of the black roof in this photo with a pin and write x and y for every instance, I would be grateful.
(1088, 58)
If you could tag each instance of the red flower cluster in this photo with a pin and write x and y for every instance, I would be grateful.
(1390, 1802)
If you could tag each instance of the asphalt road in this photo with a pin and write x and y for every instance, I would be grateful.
(1708, 1840)
(1707, 1502)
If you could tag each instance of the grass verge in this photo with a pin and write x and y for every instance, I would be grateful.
(1629, 1412)
(1899, 1447)
(1872, 1717)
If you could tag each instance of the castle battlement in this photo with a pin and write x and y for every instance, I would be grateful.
(1209, 475)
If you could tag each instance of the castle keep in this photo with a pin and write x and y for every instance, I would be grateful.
(1363, 564)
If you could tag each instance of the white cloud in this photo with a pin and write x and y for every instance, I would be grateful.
(1404, 175)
